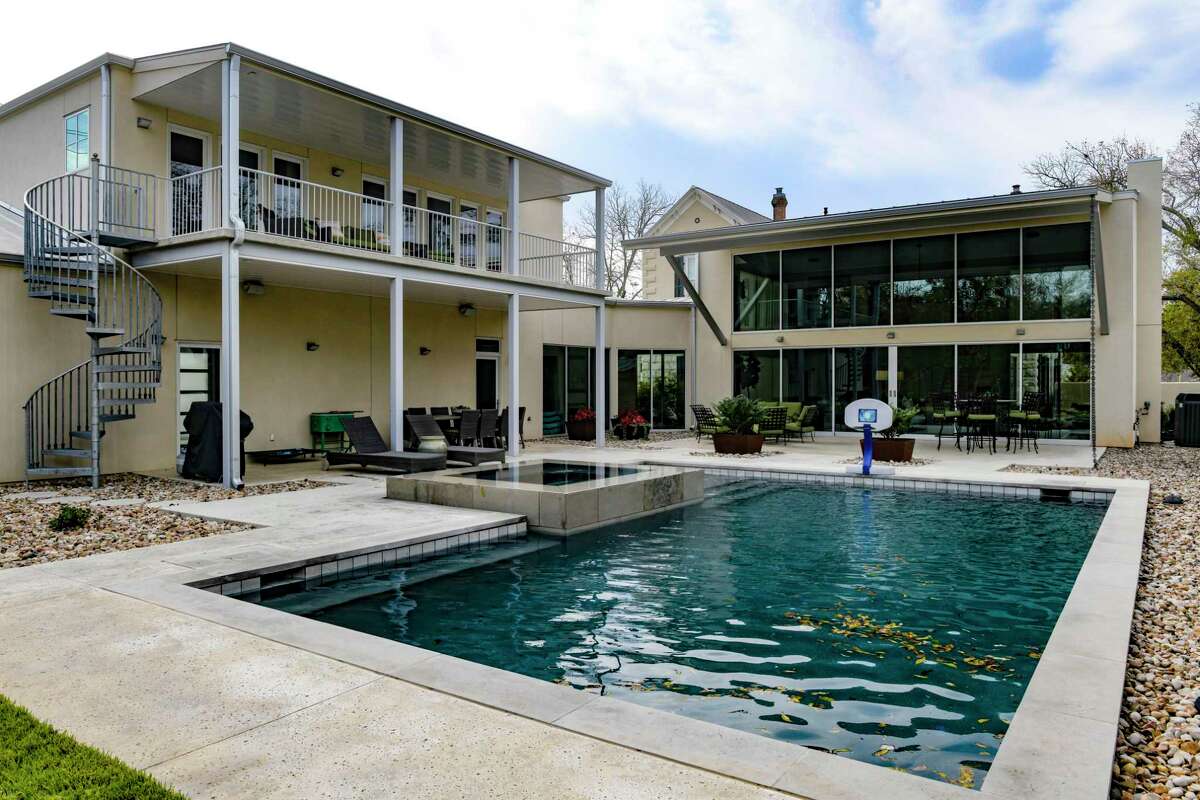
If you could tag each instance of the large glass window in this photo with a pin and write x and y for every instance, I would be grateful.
(862, 284)
(925, 379)
(806, 287)
(567, 384)
(988, 370)
(923, 272)
(1056, 376)
(691, 268)
(806, 379)
(1057, 271)
(78, 130)
(756, 292)
(989, 274)
(756, 374)
(858, 372)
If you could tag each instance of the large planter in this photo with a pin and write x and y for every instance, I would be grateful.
(739, 444)
(581, 430)
(898, 449)
(630, 432)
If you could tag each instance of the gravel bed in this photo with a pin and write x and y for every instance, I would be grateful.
(1158, 749)
(656, 439)
(118, 515)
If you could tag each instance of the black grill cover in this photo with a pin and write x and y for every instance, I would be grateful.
(202, 461)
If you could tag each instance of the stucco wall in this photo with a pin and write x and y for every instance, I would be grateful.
(658, 279)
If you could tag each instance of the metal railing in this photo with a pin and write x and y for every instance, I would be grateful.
(188, 203)
(558, 261)
(309, 211)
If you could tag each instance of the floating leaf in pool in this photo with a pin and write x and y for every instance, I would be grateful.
(966, 777)
(1035, 655)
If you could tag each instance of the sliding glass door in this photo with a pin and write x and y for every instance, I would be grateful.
(568, 384)
(652, 383)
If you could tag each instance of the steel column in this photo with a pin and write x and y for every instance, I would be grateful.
(513, 335)
(231, 401)
(601, 236)
(514, 216)
(396, 362)
(396, 182)
(601, 381)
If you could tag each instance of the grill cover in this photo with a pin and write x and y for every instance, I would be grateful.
(202, 461)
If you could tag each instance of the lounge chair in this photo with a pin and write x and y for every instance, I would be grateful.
(370, 450)
(706, 422)
(803, 426)
(426, 427)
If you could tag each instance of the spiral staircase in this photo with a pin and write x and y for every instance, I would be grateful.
(70, 223)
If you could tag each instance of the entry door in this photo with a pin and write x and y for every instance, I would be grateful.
(487, 381)
(248, 187)
(198, 381)
(187, 185)
(289, 171)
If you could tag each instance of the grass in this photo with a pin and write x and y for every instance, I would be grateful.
(37, 761)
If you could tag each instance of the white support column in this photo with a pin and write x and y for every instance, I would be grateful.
(601, 235)
(601, 381)
(396, 362)
(513, 335)
(396, 182)
(514, 216)
(231, 400)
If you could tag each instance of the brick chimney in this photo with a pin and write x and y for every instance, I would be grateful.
(779, 204)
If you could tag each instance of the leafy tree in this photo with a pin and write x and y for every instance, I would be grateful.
(1104, 164)
(628, 214)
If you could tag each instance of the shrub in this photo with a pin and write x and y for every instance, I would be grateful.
(584, 414)
(740, 414)
(69, 518)
(901, 421)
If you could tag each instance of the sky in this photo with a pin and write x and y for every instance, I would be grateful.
(845, 105)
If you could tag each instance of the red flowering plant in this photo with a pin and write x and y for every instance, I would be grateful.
(584, 414)
(632, 425)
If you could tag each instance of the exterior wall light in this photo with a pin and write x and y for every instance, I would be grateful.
(144, 123)
(466, 309)
(338, 172)
(311, 347)
(1020, 331)
(891, 334)
(425, 350)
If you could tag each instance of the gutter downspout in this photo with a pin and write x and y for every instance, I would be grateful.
(105, 114)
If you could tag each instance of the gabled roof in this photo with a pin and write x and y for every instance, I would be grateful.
(727, 210)
(12, 234)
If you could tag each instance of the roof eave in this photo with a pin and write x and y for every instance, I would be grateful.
(66, 79)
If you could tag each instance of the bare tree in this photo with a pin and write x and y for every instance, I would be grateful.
(628, 214)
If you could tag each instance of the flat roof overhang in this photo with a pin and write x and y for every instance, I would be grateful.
(882, 221)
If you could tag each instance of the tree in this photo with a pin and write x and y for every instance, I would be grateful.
(1104, 164)
(628, 214)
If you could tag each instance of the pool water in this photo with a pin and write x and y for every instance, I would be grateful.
(895, 628)
(552, 473)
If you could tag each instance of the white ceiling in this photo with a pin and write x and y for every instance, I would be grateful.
(283, 108)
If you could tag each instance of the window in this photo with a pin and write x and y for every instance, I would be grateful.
(756, 292)
(862, 284)
(988, 370)
(441, 246)
(568, 375)
(409, 200)
(1058, 376)
(652, 383)
(374, 205)
(495, 240)
(691, 268)
(989, 266)
(858, 372)
(925, 379)
(756, 374)
(806, 276)
(468, 234)
(78, 139)
(806, 380)
(923, 274)
(1057, 272)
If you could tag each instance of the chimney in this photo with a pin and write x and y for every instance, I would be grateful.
(779, 204)
(1016, 189)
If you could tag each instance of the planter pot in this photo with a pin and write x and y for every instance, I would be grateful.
(738, 443)
(898, 449)
(582, 431)
(631, 432)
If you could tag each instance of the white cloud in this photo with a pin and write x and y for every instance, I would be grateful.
(904, 90)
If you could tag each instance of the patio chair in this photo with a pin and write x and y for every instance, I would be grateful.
(502, 433)
(804, 424)
(706, 422)
(1025, 422)
(489, 424)
(468, 428)
(370, 450)
(416, 410)
(981, 422)
(942, 413)
(440, 411)
(775, 423)
(427, 428)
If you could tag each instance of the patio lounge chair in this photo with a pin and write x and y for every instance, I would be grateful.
(803, 426)
(426, 427)
(706, 422)
(370, 450)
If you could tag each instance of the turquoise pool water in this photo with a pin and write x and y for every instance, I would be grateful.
(894, 628)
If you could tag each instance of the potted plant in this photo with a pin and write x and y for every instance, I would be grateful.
(738, 419)
(890, 445)
(582, 425)
(631, 424)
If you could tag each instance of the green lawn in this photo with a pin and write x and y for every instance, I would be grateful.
(36, 761)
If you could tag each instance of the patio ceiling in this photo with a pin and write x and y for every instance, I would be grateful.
(286, 108)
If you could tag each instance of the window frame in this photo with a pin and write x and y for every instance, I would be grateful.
(67, 152)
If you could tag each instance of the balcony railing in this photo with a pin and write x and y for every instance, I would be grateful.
(144, 206)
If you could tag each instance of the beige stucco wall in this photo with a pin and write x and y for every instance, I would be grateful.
(658, 279)
(1145, 177)
(1172, 389)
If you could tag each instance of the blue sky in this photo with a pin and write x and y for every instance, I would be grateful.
(846, 105)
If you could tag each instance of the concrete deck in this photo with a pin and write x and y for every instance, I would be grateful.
(254, 706)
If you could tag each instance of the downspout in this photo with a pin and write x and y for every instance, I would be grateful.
(105, 114)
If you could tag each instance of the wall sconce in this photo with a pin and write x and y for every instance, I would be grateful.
(891, 334)
(338, 172)
(253, 287)
(311, 347)
(144, 123)
(425, 350)
(1020, 331)
(466, 309)
(779, 339)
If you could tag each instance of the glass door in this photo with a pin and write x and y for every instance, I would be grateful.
(554, 381)
(441, 244)
(187, 185)
(468, 234)
(198, 381)
(248, 188)
(858, 372)
(289, 171)
(652, 383)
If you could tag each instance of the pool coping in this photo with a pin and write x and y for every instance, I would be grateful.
(1060, 742)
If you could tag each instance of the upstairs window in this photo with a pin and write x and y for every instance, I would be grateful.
(78, 140)
(691, 268)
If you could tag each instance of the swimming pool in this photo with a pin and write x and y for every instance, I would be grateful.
(553, 473)
(897, 628)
